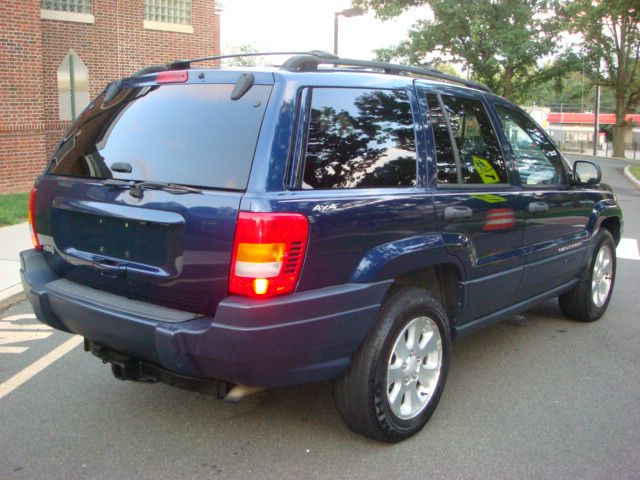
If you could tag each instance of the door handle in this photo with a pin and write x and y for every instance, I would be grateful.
(451, 213)
(108, 268)
(538, 207)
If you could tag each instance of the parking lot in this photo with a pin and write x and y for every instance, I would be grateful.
(537, 396)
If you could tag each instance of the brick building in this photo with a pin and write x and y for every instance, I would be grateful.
(55, 55)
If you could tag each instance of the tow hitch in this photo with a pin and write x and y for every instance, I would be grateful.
(125, 367)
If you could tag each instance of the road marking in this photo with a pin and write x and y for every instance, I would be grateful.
(13, 349)
(20, 316)
(21, 332)
(18, 337)
(39, 365)
(23, 326)
(628, 248)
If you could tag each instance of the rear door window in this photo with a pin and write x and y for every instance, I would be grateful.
(467, 149)
(359, 138)
(186, 134)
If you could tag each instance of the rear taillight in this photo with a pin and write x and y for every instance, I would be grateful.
(268, 252)
(31, 215)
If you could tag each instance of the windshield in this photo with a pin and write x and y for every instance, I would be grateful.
(187, 134)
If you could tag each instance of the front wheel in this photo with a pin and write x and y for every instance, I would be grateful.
(397, 376)
(588, 300)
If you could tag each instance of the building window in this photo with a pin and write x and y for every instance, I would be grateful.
(168, 11)
(73, 86)
(77, 6)
(67, 10)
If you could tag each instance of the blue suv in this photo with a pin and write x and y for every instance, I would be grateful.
(327, 219)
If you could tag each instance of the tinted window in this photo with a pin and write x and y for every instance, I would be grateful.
(445, 158)
(538, 162)
(188, 134)
(481, 160)
(359, 138)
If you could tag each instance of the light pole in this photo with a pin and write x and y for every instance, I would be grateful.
(349, 12)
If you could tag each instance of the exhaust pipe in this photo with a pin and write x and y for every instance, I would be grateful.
(240, 392)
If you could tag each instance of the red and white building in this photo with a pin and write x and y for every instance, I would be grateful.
(571, 129)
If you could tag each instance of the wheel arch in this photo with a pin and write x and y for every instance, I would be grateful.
(442, 280)
(614, 226)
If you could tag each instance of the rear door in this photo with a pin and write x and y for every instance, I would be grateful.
(478, 208)
(166, 247)
(557, 215)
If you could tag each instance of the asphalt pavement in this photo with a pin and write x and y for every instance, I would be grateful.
(538, 396)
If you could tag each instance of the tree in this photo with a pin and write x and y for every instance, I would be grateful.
(611, 33)
(574, 91)
(242, 61)
(500, 40)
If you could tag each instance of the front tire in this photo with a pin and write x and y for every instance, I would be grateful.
(588, 300)
(397, 376)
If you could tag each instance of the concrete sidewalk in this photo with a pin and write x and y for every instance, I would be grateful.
(13, 240)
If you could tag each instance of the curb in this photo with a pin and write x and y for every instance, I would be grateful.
(11, 296)
(600, 158)
(630, 177)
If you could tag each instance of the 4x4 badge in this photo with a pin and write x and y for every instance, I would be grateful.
(325, 208)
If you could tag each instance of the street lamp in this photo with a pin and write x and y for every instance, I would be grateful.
(349, 12)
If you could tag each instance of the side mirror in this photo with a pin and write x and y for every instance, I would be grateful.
(586, 173)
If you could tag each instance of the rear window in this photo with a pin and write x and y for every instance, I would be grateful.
(187, 134)
(359, 138)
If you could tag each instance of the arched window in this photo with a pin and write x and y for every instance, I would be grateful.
(73, 86)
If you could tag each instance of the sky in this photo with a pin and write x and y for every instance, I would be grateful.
(293, 25)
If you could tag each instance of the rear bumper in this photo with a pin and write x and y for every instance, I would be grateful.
(303, 337)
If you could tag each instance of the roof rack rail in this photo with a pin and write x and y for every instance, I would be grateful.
(309, 62)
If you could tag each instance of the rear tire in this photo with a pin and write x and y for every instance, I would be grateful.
(397, 376)
(588, 300)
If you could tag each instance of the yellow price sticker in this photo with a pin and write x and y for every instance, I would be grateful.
(487, 173)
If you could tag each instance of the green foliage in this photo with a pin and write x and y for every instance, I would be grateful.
(611, 33)
(447, 68)
(573, 92)
(242, 61)
(500, 40)
(13, 208)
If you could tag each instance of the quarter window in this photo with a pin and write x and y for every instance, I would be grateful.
(359, 138)
(537, 160)
(467, 150)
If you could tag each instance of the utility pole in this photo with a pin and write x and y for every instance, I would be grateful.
(335, 34)
(561, 132)
(596, 122)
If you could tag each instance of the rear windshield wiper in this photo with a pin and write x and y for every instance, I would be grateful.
(136, 188)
